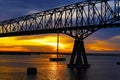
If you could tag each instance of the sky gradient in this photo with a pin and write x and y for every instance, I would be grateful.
(102, 41)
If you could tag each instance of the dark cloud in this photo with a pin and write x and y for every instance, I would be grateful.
(14, 8)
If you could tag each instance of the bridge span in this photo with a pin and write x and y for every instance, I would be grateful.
(78, 20)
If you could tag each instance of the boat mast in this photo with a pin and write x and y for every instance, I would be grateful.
(57, 44)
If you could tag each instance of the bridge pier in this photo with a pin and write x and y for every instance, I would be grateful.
(78, 57)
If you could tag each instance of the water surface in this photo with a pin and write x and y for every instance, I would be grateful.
(13, 67)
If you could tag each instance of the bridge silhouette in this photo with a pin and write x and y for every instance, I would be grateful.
(78, 20)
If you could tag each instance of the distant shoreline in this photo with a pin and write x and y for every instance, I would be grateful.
(38, 53)
(103, 54)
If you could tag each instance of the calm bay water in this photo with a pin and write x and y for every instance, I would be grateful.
(13, 67)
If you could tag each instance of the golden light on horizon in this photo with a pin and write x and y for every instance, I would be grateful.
(48, 43)
(23, 44)
(14, 49)
(99, 48)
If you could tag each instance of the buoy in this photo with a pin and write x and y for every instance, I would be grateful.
(31, 70)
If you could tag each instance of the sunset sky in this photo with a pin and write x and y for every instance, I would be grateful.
(102, 41)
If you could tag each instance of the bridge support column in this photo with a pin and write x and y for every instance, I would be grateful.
(78, 57)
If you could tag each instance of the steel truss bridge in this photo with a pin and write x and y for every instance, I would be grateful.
(78, 20)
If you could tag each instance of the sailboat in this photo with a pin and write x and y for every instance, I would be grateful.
(57, 58)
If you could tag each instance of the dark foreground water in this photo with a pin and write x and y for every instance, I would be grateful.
(13, 67)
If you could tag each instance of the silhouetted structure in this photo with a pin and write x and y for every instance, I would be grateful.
(77, 20)
(31, 70)
(118, 63)
(57, 58)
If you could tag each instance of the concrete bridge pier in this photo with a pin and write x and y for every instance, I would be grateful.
(78, 57)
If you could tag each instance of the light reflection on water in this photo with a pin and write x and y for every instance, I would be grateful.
(15, 67)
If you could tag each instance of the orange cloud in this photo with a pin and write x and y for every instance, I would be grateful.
(108, 45)
(100, 46)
